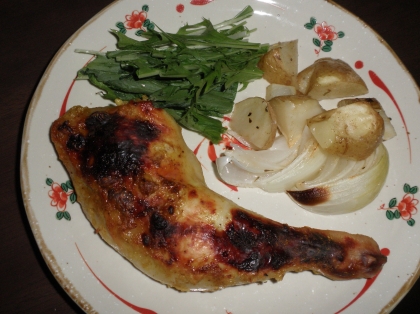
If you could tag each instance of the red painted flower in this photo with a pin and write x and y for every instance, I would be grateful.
(135, 20)
(58, 197)
(407, 206)
(325, 31)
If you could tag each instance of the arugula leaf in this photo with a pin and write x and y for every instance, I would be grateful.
(194, 73)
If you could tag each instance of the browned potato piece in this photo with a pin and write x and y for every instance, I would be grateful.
(274, 90)
(303, 79)
(389, 131)
(330, 78)
(280, 63)
(252, 121)
(352, 131)
(291, 113)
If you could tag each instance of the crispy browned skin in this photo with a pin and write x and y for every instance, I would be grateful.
(143, 191)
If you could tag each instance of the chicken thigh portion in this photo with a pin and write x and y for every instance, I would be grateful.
(144, 193)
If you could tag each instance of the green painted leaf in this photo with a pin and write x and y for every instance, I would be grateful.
(66, 215)
(326, 48)
(340, 34)
(397, 214)
(328, 42)
(411, 222)
(69, 185)
(59, 215)
(139, 32)
(64, 187)
(73, 198)
(145, 8)
(407, 188)
(146, 23)
(414, 190)
(392, 202)
(151, 26)
(309, 26)
(316, 42)
(312, 20)
(120, 25)
(389, 214)
(49, 181)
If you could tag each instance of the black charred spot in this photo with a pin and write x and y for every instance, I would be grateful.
(311, 197)
(65, 126)
(115, 144)
(252, 263)
(339, 256)
(158, 222)
(145, 238)
(243, 239)
(75, 142)
(96, 120)
(171, 210)
(279, 259)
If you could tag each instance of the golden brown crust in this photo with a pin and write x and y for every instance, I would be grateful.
(144, 193)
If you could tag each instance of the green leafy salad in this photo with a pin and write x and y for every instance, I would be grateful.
(194, 74)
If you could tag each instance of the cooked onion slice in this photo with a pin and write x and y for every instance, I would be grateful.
(234, 175)
(304, 166)
(309, 160)
(259, 161)
(344, 186)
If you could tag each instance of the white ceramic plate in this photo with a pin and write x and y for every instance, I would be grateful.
(99, 279)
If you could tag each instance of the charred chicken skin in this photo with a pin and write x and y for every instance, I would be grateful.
(144, 193)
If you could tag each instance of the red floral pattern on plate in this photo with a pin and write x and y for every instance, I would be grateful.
(60, 194)
(325, 31)
(326, 35)
(135, 19)
(405, 208)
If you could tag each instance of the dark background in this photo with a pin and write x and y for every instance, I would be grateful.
(31, 32)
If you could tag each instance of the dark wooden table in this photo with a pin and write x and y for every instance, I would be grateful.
(31, 33)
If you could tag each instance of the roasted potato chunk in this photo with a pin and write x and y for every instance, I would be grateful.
(280, 63)
(291, 113)
(251, 120)
(274, 90)
(389, 130)
(352, 131)
(330, 78)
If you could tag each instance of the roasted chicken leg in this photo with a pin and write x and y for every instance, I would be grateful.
(144, 193)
